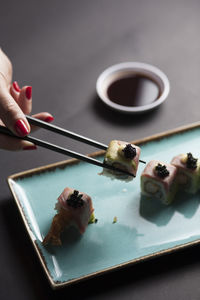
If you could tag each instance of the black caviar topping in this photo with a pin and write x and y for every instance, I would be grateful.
(129, 151)
(75, 200)
(161, 170)
(191, 162)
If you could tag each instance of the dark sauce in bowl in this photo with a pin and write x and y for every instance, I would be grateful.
(133, 90)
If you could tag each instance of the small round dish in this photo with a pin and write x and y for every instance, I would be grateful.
(127, 69)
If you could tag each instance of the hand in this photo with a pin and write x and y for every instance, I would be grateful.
(14, 104)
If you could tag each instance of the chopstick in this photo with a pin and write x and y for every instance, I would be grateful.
(65, 132)
(62, 150)
(68, 133)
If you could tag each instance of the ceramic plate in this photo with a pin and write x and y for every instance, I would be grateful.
(144, 229)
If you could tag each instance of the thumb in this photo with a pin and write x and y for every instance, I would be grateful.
(10, 113)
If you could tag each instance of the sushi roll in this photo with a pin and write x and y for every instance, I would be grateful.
(188, 176)
(122, 155)
(158, 180)
(73, 209)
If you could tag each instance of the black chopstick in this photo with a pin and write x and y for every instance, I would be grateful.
(62, 150)
(67, 133)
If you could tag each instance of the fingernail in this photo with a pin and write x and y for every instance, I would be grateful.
(32, 147)
(29, 92)
(16, 86)
(21, 128)
(49, 119)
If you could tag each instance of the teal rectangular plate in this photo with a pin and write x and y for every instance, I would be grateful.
(144, 229)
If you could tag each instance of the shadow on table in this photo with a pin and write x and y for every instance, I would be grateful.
(124, 119)
(24, 267)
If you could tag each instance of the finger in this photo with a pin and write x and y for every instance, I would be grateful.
(15, 90)
(44, 116)
(14, 144)
(10, 112)
(25, 99)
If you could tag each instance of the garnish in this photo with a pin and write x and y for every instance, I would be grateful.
(129, 151)
(191, 162)
(161, 170)
(75, 200)
(92, 219)
(114, 220)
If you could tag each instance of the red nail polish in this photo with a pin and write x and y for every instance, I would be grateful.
(32, 147)
(21, 128)
(49, 119)
(16, 86)
(29, 92)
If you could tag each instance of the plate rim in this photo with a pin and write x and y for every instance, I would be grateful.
(64, 163)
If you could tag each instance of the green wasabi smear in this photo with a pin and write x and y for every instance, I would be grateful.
(92, 219)
(114, 220)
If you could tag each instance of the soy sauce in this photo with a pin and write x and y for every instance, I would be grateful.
(133, 90)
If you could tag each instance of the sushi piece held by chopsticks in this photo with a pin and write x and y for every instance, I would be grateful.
(122, 155)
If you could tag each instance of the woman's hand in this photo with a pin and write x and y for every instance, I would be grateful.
(14, 104)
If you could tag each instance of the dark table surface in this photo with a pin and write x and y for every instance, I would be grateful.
(60, 48)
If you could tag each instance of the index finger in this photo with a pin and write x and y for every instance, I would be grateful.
(10, 113)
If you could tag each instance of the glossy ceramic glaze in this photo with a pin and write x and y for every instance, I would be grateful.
(121, 71)
(143, 229)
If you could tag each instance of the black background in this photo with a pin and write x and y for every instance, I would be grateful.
(60, 48)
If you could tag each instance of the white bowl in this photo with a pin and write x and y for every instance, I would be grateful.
(121, 70)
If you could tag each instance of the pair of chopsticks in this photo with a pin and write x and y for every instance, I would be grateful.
(62, 150)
